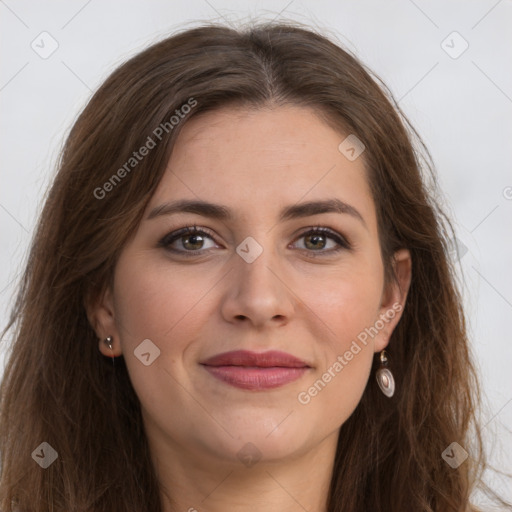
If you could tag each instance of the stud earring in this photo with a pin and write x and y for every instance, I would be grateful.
(108, 341)
(385, 378)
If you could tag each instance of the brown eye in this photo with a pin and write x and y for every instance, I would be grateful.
(196, 241)
(317, 239)
(191, 239)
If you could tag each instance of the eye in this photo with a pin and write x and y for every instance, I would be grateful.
(192, 240)
(315, 240)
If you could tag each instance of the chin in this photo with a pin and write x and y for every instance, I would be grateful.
(263, 439)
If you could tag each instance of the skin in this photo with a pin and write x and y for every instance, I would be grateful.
(255, 162)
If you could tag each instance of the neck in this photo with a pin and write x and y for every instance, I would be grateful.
(197, 481)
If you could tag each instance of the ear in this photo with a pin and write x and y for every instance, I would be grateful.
(394, 297)
(101, 316)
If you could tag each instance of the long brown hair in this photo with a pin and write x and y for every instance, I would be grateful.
(57, 387)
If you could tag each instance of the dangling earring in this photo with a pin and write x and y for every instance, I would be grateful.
(384, 376)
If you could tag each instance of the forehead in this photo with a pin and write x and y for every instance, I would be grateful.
(262, 159)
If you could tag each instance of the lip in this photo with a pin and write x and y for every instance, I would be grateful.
(256, 371)
(267, 359)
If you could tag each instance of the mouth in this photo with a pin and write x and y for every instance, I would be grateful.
(256, 371)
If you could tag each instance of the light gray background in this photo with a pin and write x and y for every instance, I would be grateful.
(462, 107)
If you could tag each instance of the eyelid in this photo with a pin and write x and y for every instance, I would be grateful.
(176, 234)
(343, 243)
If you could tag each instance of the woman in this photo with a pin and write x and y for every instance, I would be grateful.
(239, 297)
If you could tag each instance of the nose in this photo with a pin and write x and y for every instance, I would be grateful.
(258, 293)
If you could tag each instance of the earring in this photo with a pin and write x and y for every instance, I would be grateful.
(108, 341)
(384, 376)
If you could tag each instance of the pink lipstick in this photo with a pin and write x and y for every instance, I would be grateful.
(256, 371)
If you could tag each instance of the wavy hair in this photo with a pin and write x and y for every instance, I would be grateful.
(54, 387)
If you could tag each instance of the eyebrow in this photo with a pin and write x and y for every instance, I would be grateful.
(217, 211)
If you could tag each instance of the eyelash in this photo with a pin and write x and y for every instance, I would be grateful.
(168, 239)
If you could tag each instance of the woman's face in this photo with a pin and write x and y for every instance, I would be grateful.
(256, 280)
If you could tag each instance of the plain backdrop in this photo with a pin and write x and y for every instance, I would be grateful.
(447, 62)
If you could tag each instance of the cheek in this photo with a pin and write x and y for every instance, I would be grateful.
(347, 299)
(347, 304)
(333, 395)
(346, 351)
(151, 303)
(155, 303)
